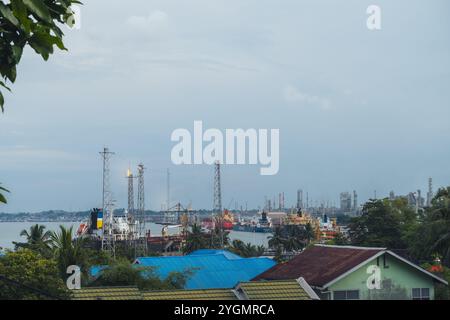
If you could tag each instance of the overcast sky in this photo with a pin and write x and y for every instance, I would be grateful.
(357, 109)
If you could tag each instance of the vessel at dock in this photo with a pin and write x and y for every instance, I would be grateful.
(261, 225)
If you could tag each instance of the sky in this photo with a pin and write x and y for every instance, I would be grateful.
(357, 109)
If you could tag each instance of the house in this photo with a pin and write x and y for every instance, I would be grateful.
(210, 268)
(264, 290)
(352, 273)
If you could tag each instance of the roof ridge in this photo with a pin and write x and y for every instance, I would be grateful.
(349, 247)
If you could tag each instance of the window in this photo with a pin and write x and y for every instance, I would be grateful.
(421, 293)
(325, 295)
(346, 295)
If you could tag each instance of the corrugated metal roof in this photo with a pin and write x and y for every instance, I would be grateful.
(320, 264)
(274, 290)
(226, 253)
(219, 269)
(203, 294)
(107, 293)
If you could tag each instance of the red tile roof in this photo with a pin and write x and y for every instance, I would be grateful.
(320, 264)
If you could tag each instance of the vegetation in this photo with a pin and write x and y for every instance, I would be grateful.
(122, 273)
(68, 251)
(38, 240)
(195, 240)
(25, 274)
(246, 250)
(48, 254)
(2, 196)
(382, 224)
(291, 237)
(37, 267)
(395, 225)
(35, 23)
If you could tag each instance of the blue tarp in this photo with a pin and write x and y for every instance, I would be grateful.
(212, 268)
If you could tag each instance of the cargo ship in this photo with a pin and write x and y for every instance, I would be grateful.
(209, 223)
(262, 225)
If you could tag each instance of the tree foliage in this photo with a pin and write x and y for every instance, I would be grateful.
(383, 223)
(26, 275)
(195, 240)
(431, 236)
(37, 239)
(2, 196)
(68, 251)
(291, 237)
(34, 23)
(246, 250)
(122, 273)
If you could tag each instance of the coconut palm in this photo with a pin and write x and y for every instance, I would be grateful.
(37, 239)
(195, 240)
(276, 239)
(67, 251)
(246, 250)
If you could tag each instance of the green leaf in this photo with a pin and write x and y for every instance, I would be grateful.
(17, 53)
(3, 199)
(42, 43)
(21, 12)
(39, 8)
(2, 102)
(4, 86)
(8, 14)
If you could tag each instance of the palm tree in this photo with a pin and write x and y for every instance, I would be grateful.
(66, 250)
(309, 233)
(37, 239)
(195, 240)
(276, 240)
(246, 250)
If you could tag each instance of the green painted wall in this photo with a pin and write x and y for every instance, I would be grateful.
(397, 281)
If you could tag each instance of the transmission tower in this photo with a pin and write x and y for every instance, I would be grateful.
(131, 214)
(168, 189)
(108, 244)
(141, 241)
(218, 202)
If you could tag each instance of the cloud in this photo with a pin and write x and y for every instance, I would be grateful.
(155, 23)
(292, 95)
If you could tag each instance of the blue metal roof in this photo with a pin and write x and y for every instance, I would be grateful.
(212, 268)
(226, 253)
